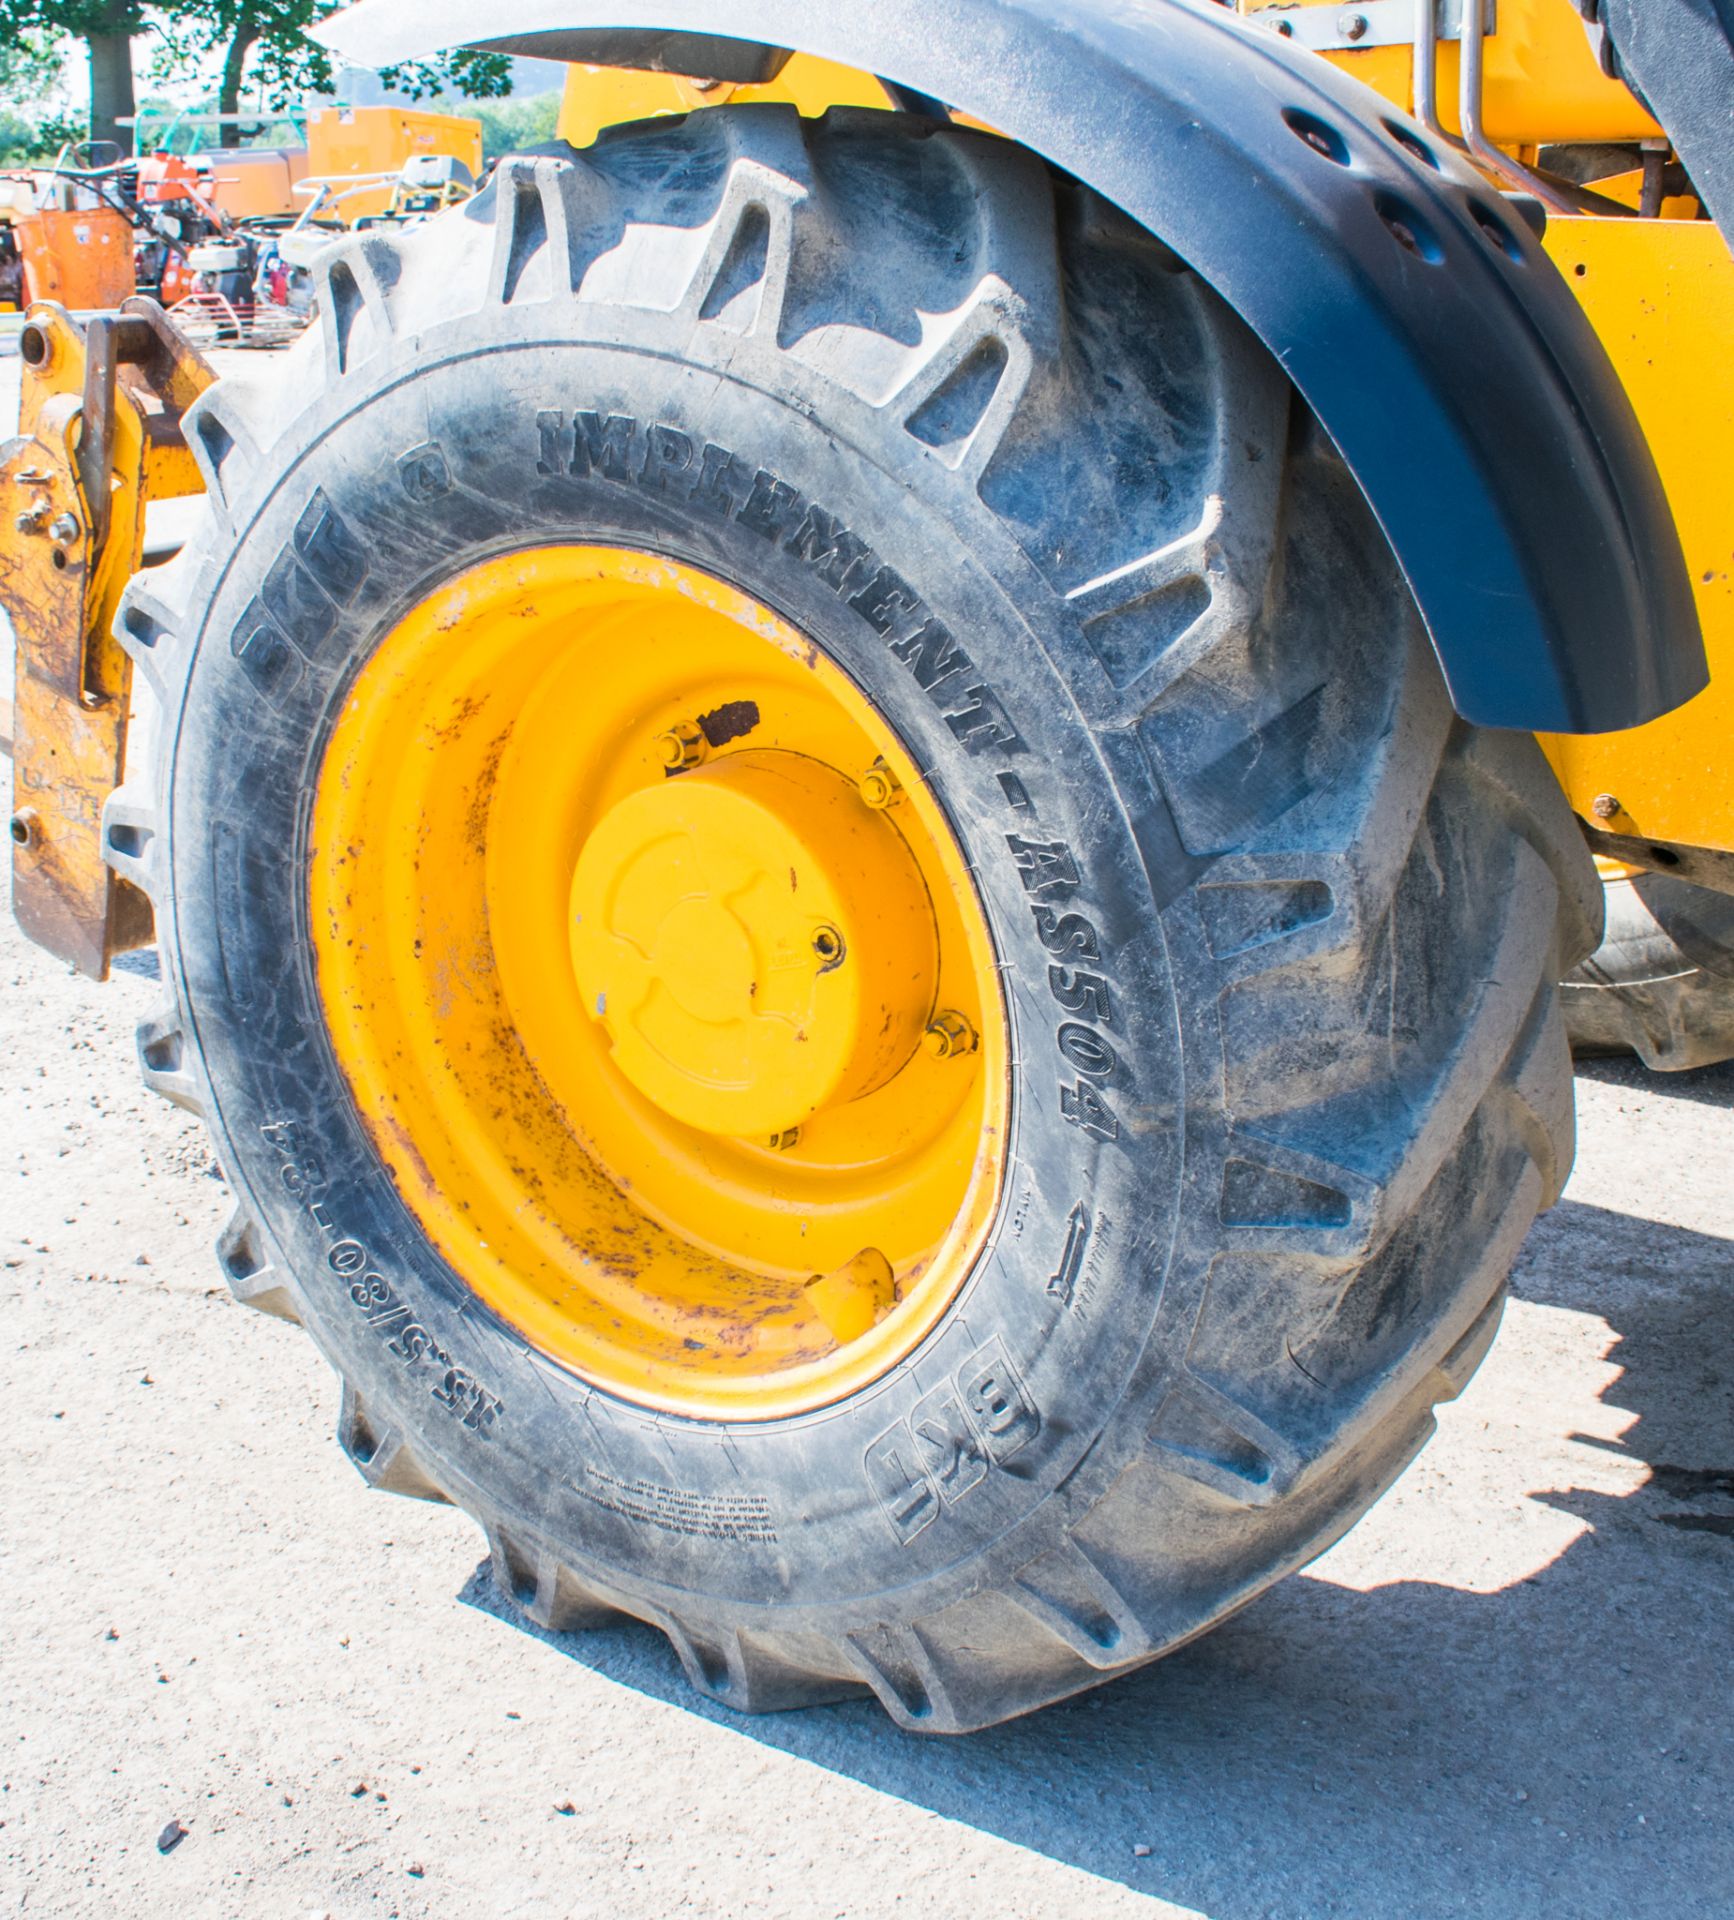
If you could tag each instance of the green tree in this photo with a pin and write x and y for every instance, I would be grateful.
(266, 41)
(31, 65)
(510, 126)
(107, 28)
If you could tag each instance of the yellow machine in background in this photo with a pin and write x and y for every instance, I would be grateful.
(347, 142)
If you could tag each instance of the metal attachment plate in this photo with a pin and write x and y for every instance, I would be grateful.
(1373, 23)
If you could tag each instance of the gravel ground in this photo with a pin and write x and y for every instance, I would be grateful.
(1505, 1693)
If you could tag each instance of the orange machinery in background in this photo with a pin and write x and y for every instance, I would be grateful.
(77, 250)
(242, 183)
(343, 143)
(80, 256)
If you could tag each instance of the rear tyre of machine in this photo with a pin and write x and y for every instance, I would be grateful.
(1661, 984)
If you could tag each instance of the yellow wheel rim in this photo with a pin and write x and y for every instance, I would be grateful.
(660, 982)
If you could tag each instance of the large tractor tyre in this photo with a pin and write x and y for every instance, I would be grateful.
(830, 915)
(1661, 984)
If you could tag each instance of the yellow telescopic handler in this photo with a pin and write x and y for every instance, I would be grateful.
(841, 796)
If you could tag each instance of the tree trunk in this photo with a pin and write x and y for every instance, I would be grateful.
(234, 67)
(111, 94)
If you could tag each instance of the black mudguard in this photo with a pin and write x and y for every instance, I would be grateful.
(1411, 307)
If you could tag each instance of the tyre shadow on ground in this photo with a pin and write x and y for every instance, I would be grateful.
(1416, 1748)
(1711, 1086)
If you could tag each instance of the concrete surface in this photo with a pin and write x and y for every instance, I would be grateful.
(1505, 1693)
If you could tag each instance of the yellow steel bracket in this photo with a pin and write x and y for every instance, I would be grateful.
(99, 437)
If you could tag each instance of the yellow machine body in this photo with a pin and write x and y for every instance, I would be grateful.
(1661, 295)
(1542, 82)
(99, 438)
(1659, 291)
(598, 97)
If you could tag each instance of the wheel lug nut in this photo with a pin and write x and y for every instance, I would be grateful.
(880, 787)
(682, 746)
(949, 1035)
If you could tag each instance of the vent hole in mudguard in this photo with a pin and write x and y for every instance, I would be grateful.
(1496, 231)
(1408, 229)
(1411, 143)
(1319, 134)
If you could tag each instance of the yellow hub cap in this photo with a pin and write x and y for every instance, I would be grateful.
(660, 982)
(756, 941)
